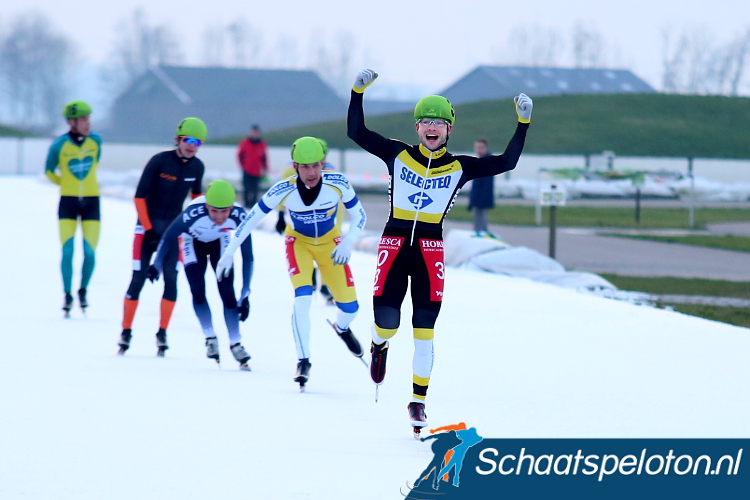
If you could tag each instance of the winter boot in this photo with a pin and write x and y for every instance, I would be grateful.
(377, 363)
(161, 342)
(124, 342)
(350, 340)
(241, 355)
(212, 348)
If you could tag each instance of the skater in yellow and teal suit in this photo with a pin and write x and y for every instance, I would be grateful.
(75, 155)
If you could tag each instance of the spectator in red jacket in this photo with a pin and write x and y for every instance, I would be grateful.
(251, 155)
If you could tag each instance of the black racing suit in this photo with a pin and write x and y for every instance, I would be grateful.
(423, 186)
(163, 187)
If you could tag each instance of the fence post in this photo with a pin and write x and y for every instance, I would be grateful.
(691, 202)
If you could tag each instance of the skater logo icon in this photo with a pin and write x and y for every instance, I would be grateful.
(466, 465)
(451, 442)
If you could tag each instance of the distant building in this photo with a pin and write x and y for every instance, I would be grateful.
(228, 100)
(496, 82)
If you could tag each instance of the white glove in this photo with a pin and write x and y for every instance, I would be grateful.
(524, 105)
(343, 252)
(364, 79)
(224, 266)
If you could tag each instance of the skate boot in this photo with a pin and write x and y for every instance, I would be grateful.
(212, 348)
(67, 304)
(161, 342)
(350, 340)
(241, 355)
(82, 300)
(124, 342)
(378, 352)
(327, 295)
(418, 417)
(303, 373)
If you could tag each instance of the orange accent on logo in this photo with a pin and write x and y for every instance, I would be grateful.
(168, 177)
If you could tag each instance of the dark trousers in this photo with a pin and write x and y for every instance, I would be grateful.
(250, 184)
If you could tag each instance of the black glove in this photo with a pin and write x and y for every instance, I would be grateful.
(151, 234)
(281, 223)
(244, 308)
(152, 274)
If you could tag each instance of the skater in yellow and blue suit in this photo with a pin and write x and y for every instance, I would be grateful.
(311, 197)
(76, 155)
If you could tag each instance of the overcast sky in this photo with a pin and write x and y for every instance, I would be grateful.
(426, 44)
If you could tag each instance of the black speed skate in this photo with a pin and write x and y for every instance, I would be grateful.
(82, 300)
(327, 295)
(349, 339)
(418, 417)
(161, 342)
(378, 354)
(67, 305)
(303, 373)
(124, 342)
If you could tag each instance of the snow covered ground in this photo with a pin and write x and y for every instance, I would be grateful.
(514, 358)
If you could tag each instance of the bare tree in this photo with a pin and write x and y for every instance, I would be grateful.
(138, 47)
(587, 46)
(285, 54)
(537, 47)
(213, 46)
(332, 59)
(694, 64)
(673, 60)
(246, 42)
(35, 64)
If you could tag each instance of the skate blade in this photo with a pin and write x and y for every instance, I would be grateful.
(245, 367)
(121, 351)
(160, 353)
(417, 433)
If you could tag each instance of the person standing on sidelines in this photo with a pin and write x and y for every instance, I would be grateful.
(425, 180)
(76, 154)
(204, 229)
(311, 197)
(161, 192)
(252, 155)
(482, 195)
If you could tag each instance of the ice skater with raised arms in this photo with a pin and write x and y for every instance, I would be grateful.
(204, 230)
(311, 197)
(424, 182)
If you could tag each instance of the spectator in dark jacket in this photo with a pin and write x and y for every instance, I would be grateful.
(482, 197)
(251, 155)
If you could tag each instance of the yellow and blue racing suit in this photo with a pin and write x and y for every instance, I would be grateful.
(77, 158)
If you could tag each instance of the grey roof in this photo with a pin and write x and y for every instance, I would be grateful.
(496, 82)
(228, 100)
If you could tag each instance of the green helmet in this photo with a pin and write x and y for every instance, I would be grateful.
(220, 194)
(435, 106)
(192, 127)
(325, 146)
(307, 150)
(76, 109)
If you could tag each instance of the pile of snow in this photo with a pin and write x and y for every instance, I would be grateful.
(464, 250)
(651, 187)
